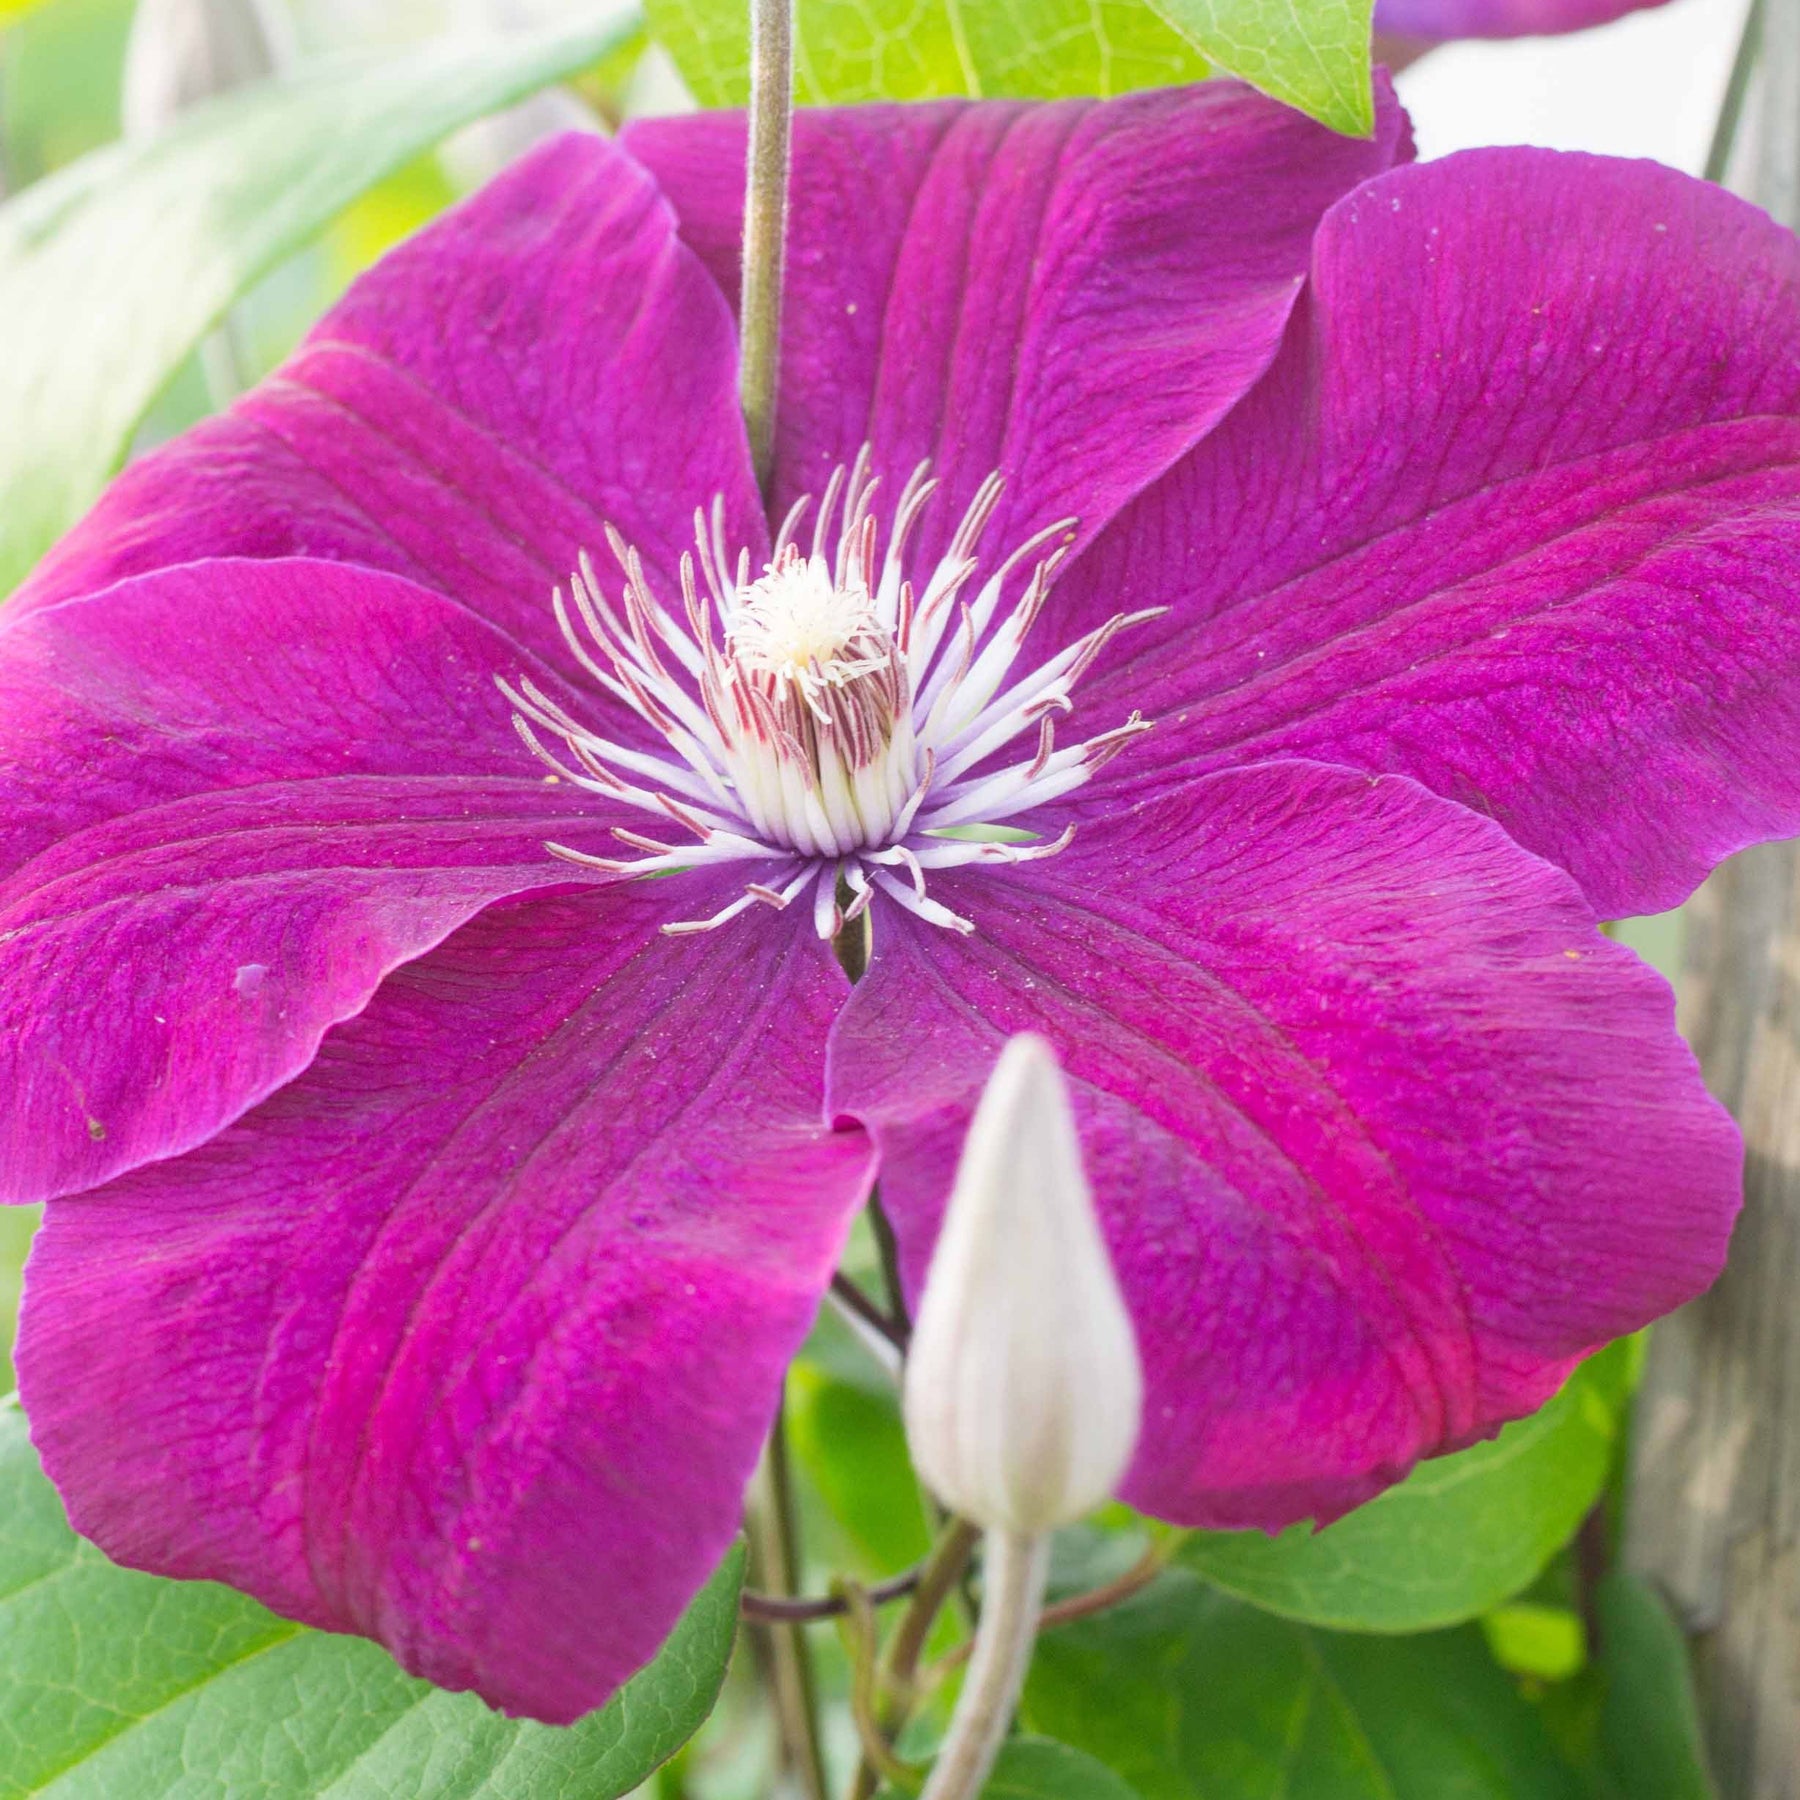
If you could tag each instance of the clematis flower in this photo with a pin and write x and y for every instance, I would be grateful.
(430, 789)
(1425, 22)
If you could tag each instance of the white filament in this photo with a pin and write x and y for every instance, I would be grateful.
(826, 718)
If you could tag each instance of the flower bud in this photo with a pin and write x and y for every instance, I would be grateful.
(184, 51)
(1024, 1393)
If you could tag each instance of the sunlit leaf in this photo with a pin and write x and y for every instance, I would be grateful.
(851, 50)
(1314, 54)
(1530, 1638)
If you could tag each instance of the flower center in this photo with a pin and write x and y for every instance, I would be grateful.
(818, 723)
(831, 720)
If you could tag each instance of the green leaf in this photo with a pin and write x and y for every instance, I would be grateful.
(59, 83)
(1629, 1721)
(113, 269)
(1188, 1694)
(114, 1683)
(852, 1446)
(1031, 1768)
(1040, 1769)
(851, 50)
(1314, 54)
(1530, 1638)
(1461, 1534)
(1649, 1723)
(17, 1223)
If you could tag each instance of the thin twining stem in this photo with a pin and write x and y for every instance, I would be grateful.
(898, 1681)
(860, 1644)
(855, 1300)
(1078, 1606)
(780, 1609)
(766, 163)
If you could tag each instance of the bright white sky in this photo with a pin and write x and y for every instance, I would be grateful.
(1647, 85)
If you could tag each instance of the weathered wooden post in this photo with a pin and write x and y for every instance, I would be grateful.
(1715, 1514)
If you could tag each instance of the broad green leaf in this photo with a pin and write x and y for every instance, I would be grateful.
(1461, 1534)
(1040, 1769)
(1188, 1694)
(1314, 54)
(117, 1684)
(1650, 1736)
(851, 50)
(1030, 1768)
(1629, 1722)
(112, 269)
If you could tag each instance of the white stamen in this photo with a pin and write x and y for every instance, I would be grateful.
(825, 717)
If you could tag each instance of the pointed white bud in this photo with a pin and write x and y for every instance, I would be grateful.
(1024, 1392)
(184, 51)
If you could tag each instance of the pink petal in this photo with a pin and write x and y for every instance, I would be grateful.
(468, 1339)
(1517, 513)
(546, 358)
(1072, 294)
(1434, 20)
(232, 798)
(1383, 1132)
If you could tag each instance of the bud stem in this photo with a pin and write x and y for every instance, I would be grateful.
(1014, 1573)
(765, 222)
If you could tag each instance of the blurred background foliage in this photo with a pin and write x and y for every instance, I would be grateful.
(1465, 1635)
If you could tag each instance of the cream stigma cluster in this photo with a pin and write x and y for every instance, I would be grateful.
(827, 718)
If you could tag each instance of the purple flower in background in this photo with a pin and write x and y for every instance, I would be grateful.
(1432, 21)
(434, 1211)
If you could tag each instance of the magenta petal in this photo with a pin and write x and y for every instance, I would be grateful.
(545, 358)
(1516, 512)
(1434, 20)
(1384, 1133)
(232, 797)
(1071, 293)
(469, 1338)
